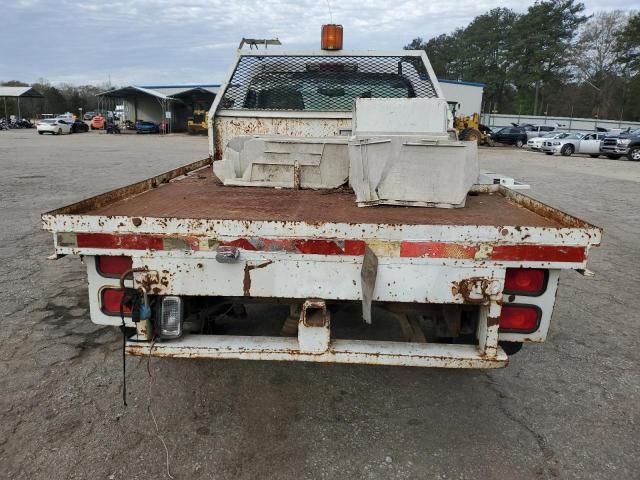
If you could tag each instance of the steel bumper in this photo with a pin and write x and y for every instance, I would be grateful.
(338, 351)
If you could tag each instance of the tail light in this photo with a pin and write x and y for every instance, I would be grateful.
(110, 299)
(525, 281)
(519, 318)
(113, 266)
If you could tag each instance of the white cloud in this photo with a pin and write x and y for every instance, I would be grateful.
(192, 41)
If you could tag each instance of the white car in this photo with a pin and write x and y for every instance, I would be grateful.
(55, 126)
(588, 143)
(538, 130)
(536, 143)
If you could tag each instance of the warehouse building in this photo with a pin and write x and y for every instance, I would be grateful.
(467, 94)
(172, 105)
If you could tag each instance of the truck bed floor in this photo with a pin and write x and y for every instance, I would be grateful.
(201, 195)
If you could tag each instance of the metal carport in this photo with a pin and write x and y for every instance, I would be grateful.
(147, 104)
(17, 93)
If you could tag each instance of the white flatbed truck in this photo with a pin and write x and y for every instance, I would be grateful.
(466, 285)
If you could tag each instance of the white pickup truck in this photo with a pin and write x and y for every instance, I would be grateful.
(465, 286)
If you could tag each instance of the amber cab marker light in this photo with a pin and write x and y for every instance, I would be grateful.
(331, 37)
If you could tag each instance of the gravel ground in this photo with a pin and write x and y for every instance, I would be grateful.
(565, 409)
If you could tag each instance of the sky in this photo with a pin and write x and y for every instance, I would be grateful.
(162, 42)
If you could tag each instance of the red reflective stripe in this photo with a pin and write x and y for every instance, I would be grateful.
(127, 242)
(242, 243)
(354, 247)
(437, 250)
(532, 253)
(309, 247)
(319, 247)
(134, 241)
(542, 253)
(409, 249)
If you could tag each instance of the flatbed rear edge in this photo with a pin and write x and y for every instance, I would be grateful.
(75, 219)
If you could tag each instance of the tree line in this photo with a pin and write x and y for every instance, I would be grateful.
(551, 60)
(57, 99)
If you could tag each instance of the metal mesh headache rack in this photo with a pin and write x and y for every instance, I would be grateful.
(327, 83)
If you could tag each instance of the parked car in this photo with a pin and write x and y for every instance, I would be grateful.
(54, 126)
(588, 143)
(146, 127)
(534, 131)
(89, 115)
(79, 127)
(97, 122)
(536, 142)
(625, 143)
(510, 135)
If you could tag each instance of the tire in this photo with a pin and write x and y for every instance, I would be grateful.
(548, 153)
(511, 348)
(567, 150)
(40, 133)
(634, 154)
(613, 156)
(471, 135)
(594, 155)
(519, 143)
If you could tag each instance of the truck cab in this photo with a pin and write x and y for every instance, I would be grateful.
(623, 144)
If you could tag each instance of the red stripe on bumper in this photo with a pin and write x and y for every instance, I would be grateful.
(542, 253)
(136, 242)
(531, 253)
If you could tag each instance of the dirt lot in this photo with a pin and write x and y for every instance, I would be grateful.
(565, 409)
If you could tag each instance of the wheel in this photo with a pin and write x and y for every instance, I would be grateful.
(567, 150)
(634, 154)
(519, 143)
(470, 135)
(548, 153)
(511, 348)
(613, 156)
(40, 133)
(594, 155)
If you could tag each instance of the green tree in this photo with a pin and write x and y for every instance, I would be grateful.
(596, 59)
(485, 53)
(542, 45)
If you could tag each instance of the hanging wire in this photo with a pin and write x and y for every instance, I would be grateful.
(330, 13)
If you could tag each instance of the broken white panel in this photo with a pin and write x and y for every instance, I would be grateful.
(412, 171)
(271, 161)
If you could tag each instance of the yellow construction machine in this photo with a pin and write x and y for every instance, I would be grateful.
(198, 123)
(468, 127)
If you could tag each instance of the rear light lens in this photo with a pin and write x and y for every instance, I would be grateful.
(171, 312)
(525, 281)
(110, 299)
(519, 319)
(113, 266)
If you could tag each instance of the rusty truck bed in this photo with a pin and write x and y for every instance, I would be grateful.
(202, 196)
(193, 192)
